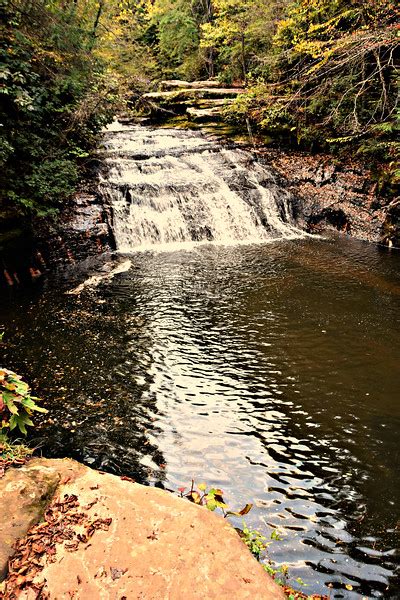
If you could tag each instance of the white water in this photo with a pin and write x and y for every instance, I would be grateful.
(174, 188)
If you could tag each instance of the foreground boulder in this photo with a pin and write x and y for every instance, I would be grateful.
(105, 537)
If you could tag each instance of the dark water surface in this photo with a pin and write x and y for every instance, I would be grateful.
(271, 371)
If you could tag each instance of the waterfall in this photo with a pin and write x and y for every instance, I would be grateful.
(173, 188)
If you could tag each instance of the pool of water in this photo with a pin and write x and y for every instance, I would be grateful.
(271, 371)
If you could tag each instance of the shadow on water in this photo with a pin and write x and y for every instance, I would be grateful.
(270, 371)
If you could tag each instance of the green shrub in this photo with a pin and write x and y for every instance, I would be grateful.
(55, 97)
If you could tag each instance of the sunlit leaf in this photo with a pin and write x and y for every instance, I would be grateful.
(246, 509)
(211, 504)
(194, 497)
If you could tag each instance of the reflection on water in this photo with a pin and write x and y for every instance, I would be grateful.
(269, 371)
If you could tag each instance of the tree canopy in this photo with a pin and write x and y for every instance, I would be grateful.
(318, 73)
(54, 98)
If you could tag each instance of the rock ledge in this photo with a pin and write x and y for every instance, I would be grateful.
(105, 537)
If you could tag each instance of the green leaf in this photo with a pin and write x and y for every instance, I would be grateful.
(24, 418)
(275, 535)
(22, 427)
(13, 422)
(211, 504)
(10, 404)
(28, 402)
(216, 494)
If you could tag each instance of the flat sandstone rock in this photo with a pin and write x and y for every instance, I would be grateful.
(106, 537)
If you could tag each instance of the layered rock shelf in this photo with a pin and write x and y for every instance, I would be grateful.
(198, 100)
(190, 93)
(173, 84)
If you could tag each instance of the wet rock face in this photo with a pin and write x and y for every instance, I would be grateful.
(19, 260)
(337, 196)
(83, 229)
(391, 226)
(106, 537)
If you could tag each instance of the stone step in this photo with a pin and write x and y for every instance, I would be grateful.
(189, 93)
(174, 84)
(200, 115)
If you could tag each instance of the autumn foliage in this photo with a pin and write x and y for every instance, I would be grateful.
(319, 74)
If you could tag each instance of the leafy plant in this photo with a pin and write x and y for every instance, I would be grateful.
(211, 499)
(254, 540)
(257, 543)
(16, 402)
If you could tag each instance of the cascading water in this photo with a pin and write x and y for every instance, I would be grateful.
(169, 187)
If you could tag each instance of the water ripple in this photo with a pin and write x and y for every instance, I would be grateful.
(269, 371)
